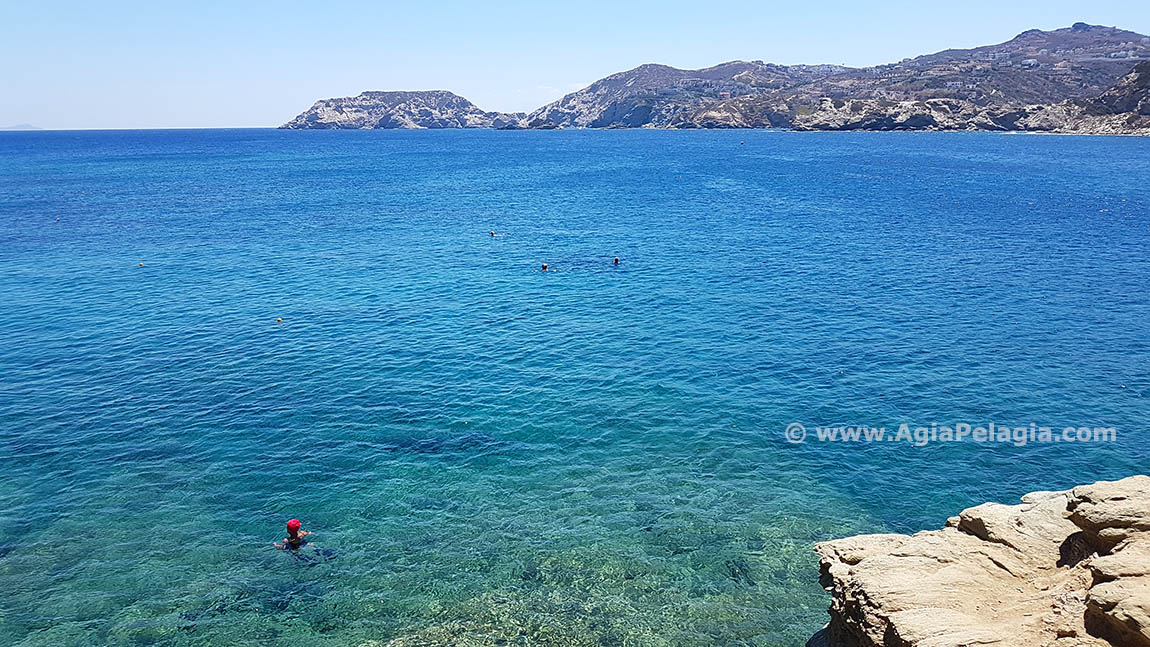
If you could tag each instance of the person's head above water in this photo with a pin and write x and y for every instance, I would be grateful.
(545, 267)
(616, 261)
(295, 537)
(492, 233)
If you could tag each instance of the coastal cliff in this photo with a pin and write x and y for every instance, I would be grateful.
(410, 110)
(1036, 68)
(1061, 569)
(1082, 79)
(1122, 109)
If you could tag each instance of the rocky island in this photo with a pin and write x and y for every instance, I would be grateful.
(1062, 569)
(1086, 79)
(422, 109)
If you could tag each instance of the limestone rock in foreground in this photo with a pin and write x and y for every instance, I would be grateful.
(1061, 569)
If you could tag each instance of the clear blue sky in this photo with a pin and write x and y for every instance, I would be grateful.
(129, 64)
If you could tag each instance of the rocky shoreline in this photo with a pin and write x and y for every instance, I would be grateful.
(1061, 569)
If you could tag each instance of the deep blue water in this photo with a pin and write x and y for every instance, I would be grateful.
(593, 456)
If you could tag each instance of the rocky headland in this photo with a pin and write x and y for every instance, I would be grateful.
(408, 110)
(1085, 79)
(1061, 569)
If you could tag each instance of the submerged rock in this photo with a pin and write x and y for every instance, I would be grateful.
(1066, 569)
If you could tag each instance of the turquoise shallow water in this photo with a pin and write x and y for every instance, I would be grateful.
(490, 455)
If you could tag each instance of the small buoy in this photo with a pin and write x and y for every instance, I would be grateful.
(279, 319)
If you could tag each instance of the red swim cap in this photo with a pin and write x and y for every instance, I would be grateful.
(293, 525)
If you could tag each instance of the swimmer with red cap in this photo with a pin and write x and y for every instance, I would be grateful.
(295, 537)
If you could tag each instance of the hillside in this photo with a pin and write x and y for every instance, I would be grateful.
(1131, 95)
(1034, 67)
(1121, 109)
(1075, 79)
(660, 95)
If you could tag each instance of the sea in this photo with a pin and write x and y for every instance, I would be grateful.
(206, 333)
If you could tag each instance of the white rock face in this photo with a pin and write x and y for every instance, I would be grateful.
(1047, 572)
(408, 110)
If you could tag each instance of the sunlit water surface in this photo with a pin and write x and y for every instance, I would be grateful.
(491, 455)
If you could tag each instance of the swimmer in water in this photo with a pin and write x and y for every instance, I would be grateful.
(616, 261)
(544, 267)
(295, 538)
